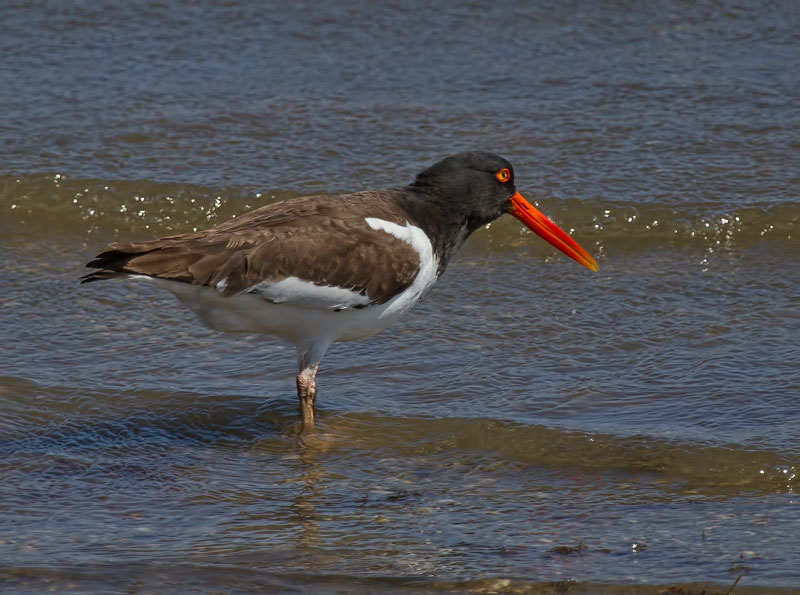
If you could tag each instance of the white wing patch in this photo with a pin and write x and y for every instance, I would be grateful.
(428, 263)
(306, 294)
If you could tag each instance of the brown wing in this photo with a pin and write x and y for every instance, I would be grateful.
(321, 239)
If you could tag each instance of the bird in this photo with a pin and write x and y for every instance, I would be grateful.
(315, 270)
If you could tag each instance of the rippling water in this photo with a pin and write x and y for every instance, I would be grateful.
(531, 427)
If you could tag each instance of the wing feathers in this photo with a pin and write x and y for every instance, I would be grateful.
(319, 240)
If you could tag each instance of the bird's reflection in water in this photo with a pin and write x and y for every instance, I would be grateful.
(305, 515)
(308, 504)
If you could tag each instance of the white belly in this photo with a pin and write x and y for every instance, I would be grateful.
(297, 324)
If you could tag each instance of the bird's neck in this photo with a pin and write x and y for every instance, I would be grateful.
(446, 227)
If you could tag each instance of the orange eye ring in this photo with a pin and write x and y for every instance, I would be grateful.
(503, 175)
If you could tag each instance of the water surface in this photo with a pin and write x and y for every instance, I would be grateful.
(530, 427)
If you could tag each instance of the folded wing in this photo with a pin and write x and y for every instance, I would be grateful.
(316, 250)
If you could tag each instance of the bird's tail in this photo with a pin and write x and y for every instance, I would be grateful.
(153, 259)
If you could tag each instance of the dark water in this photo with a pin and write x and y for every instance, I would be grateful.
(531, 427)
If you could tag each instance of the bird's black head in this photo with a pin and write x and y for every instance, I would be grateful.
(456, 196)
(477, 185)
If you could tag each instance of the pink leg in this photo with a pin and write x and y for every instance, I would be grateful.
(307, 393)
(308, 361)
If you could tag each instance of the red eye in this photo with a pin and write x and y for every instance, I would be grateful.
(503, 175)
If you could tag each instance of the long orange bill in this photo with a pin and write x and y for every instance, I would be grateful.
(549, 231)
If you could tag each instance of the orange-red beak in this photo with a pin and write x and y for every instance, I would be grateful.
(549, 231)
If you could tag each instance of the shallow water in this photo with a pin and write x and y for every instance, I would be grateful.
(531, 427)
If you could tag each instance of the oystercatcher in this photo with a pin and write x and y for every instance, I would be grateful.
(317, 269)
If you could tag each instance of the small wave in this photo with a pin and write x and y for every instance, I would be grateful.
(53, 203)
(175, 419)
(705, 467)
(645, 227)
(249, 573)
